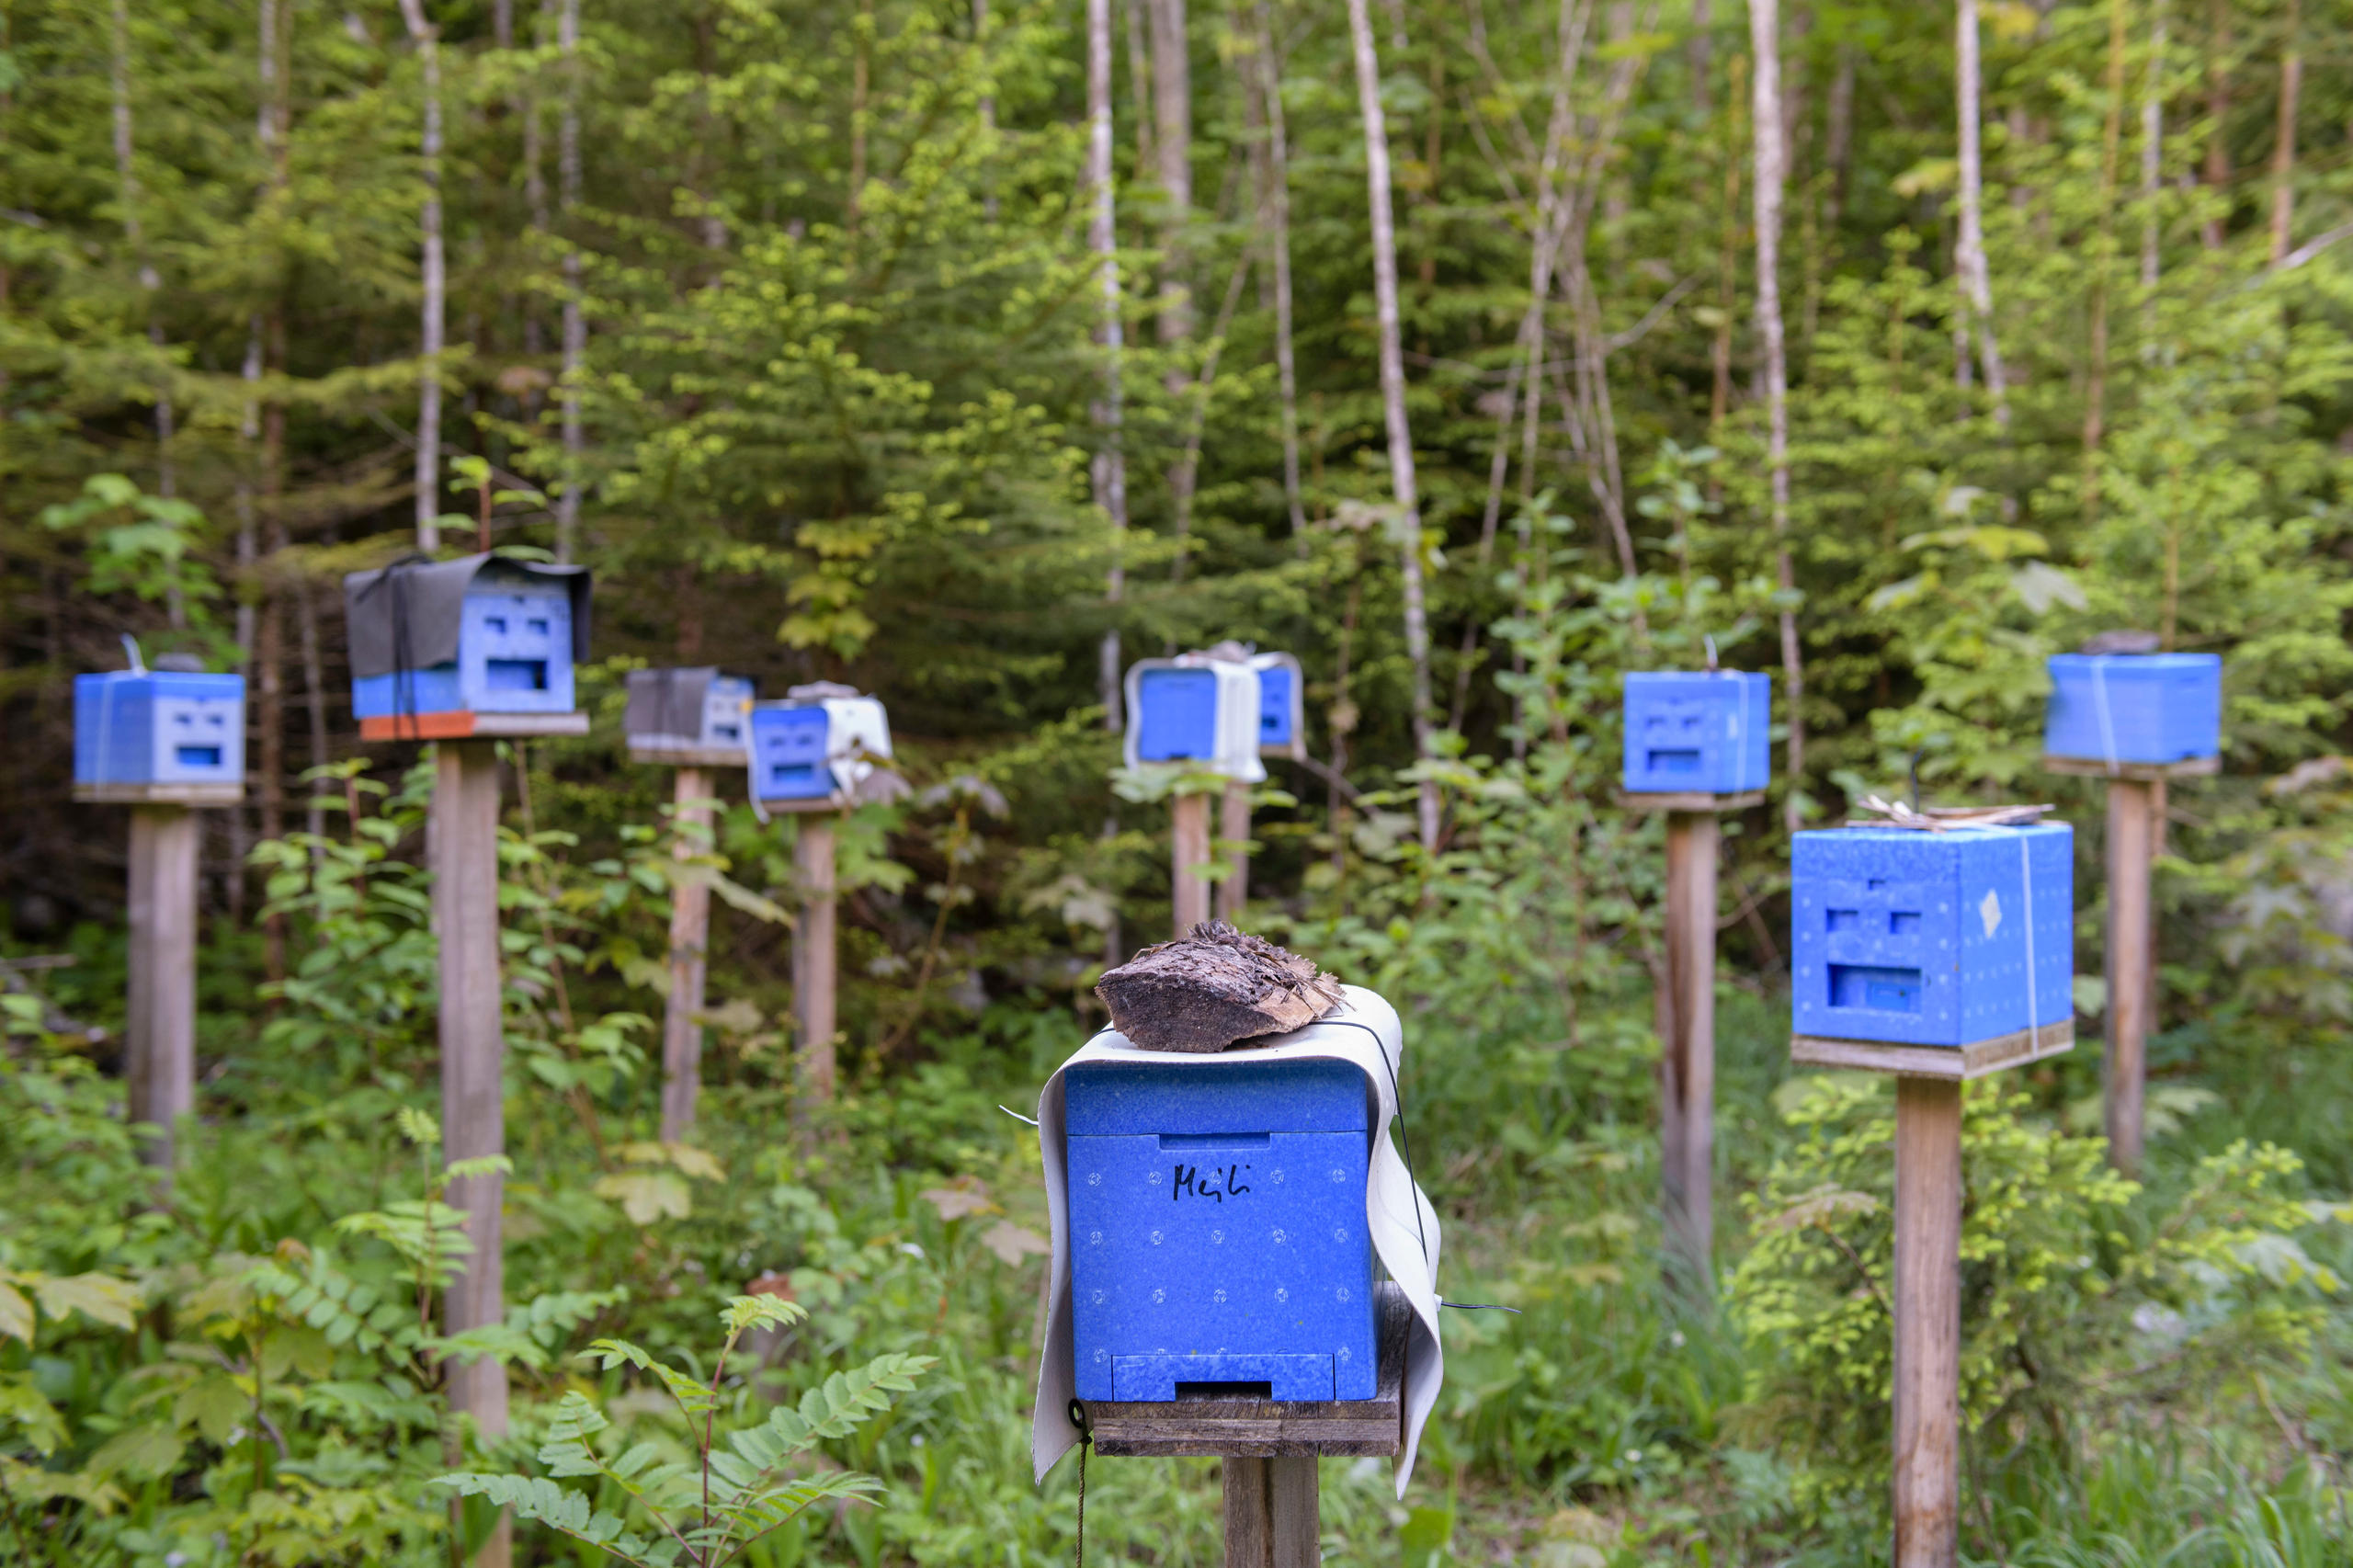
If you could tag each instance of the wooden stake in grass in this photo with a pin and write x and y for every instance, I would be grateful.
(812, 962)
(1188, 825)
(160, 1032)
(689, 947)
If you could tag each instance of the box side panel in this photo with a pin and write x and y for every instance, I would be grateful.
(199, 738)
(1276, 689)
(1243, 1097)
(1875, 940)
(1175, 715)
(1242, 1250)
(514, 649)
(2134, 708)
(430, 690)
(1752, 757)
(113, 731)
(788, 754)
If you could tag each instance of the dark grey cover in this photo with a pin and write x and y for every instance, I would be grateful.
(667, 702)
(426, 597)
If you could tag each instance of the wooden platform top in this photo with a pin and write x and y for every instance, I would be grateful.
(1268, 1428)
(1688, 800)
(690, 756)
(159, 794)
(465, 725)
(2138, 772)
(1978, 1059)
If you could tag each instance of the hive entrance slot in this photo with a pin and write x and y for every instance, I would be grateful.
(1881, 989)
(1674, 761)
(1217, 1139)
(516, 675)
(1262, 1389)
(198, 756)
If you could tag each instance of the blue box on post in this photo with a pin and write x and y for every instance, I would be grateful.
(434, 644)
(1218, 1236)
(1705, 731)
(159, 727)
(819, 743)
(2138, 708)
(1283, 705)
(702, 710)
(1918, 937)
(1196, 708)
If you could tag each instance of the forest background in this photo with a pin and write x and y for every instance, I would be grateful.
(963, 351)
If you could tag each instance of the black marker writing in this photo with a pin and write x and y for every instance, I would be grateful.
(1217, 1183)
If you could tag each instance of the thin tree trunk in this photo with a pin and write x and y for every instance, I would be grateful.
(576, 328)
(1969, 253)
(1278, 218)
(2111, 158)
(241, 837)
(1695, 52)
(2283, 145)
(1728, 250)
(435, 308)
(860, 70)
(2153, 145)
(2218, 114)
(1838, 136)
(314, 702)
(535, 203)
(1765, 43)
(1109, 468)
(127, 189)
(988, 101)
(1172, 107)
(1393, 395)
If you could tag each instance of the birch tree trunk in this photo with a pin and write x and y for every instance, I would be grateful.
(429, 386)
(1109, 468)
(1278, 219)
(2102, 259)
(1976, 283)
(2283, 145)
(1393, 395)
(575, 330)
(1765, 115)
(1172, 106)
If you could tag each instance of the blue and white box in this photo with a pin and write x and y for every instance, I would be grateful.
(482, 635)
(819, 743)
(702, 710)
(1195, 709)
(1283, 705)
(1702, 731)
(1218, 1239)
(2136, 707)
(159, 727)
(1918, 937)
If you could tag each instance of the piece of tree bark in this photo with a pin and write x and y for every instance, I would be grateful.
(1219, 986)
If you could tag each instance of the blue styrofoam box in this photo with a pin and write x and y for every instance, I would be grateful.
(159, 727)
(813, 749)
(2151, 707)
(1196, 708)
(1282, 703)
(1929, 938)
(687, 709)
(513, 656)
(1706, 731)
(1217, 1229)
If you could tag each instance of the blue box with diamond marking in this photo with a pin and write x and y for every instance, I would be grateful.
(1217, 1230)
(2143, 708)
(1706, 731)
(1929, 938)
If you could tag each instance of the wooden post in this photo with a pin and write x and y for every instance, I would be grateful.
(812, 962)
(1271, 1513)
(1687, 1040)
(690, 942)
(465, 906)
(1927, 1321)
(161, 1029)
(1188, 818)
(1233, 828)
(2131, 843)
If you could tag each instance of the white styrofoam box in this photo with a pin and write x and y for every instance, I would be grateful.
(1198, 709)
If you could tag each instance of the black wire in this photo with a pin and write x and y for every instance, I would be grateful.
(1077, 1414)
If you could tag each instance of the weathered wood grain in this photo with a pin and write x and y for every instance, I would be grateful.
(1953, 1063)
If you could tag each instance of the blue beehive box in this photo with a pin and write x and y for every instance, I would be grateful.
(1218, 1236)
(1702, 731)
(818, 745)
(159, 727)
(441, 641)
(2141, 707)
(1283, 705)
(688, 709)
(1196, 708)
(1917, 937)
